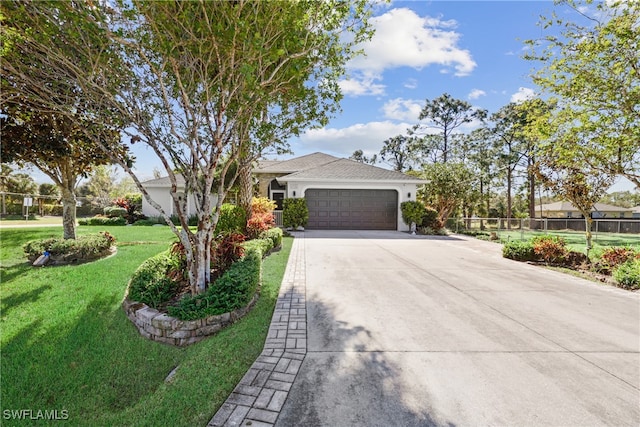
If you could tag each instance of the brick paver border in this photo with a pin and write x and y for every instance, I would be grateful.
(258, 398)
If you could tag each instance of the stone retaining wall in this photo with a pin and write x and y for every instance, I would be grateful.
(161, 327)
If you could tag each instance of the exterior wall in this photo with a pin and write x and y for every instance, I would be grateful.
(162, 196)
(406, 192)
(263, 182)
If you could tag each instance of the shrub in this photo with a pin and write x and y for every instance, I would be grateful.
(412, 212)
(83, 248)
(261, 218)
(550, 249)
(226, 250)
(145, 222)
(576, 259)
(610, 258)
(263, 246)
(150, 283)
(519, 251)
(132, 204)
(627, 275)
(275, 235)
(233, 219)
(101, 220)
(295, 213)
(115, 212)
(233, 290)
(430, 219)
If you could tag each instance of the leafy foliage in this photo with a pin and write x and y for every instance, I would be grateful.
(226, 250)
(413, 212)
(627, 275)
(550, 249)
(262, 218)
(519, 251)
(449, 184)
(233, 290)
(101, 220)
(233, 219)
(151, 284)
(84, 248)
(611, 258)
(295, 212)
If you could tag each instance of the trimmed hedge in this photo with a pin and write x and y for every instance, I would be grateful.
(150, 284)
(100, 220)
(233, 219)
(233, 290)
(519, 251)
(84, 248)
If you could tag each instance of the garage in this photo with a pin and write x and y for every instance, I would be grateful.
(352, 209)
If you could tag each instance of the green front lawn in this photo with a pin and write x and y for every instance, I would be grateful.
(66, 344)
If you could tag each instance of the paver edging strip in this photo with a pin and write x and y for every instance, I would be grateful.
(262, 392)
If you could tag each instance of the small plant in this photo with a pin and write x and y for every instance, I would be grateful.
(519, 251)
(413, 212)
(132, 205)
(549, 249)
(295, 213)
(610, 258)
(627, 275)
(233, 219)
(226, 250)
(261, 218)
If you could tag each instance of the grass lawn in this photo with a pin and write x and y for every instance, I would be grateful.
(39, 220)
(66, 344)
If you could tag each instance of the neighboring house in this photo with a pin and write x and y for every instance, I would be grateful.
(340, 193)
(635, 211)
(158, 189)
(568, 210)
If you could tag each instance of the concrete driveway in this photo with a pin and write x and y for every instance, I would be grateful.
(416, 331)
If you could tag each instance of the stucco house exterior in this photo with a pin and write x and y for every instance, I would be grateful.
(568, 210)
(340, 193)
(158, 189)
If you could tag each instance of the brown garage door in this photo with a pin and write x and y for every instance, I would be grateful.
(352, 209)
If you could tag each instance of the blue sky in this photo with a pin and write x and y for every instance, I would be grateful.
(422, 49)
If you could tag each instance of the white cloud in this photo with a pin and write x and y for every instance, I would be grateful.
(360, 84)
(523, 94)
(402, 109)
(411, 84)
(403, 38)
(476, 93)
(368, 137)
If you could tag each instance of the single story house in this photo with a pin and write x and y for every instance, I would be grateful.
(341, 194)
(158, 190)
(568, 210)
(635, 211)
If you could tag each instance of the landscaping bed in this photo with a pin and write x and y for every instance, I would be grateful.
(619, 266)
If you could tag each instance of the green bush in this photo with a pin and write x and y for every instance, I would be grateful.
(150, 284)
(519, 251)
(83, 248)
(145, 222)
(115, 212)
(101, 220)
(263, 246)
(627, 275)
(275, 235)
(233, 290)
(233, 219)
(412, 212)
(430, 219)
(295, 212)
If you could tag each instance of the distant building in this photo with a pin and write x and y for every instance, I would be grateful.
(568, 210)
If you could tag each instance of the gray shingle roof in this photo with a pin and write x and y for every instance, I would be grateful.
(565, 206)
(294, 165)
(349, 170)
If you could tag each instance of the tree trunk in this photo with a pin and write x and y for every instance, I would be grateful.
(68, 213)
(509, 200)
(588, 221)
(532, 190)
(245, 194)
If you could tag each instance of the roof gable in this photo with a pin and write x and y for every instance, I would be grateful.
(349, 170)
(294, 165)
(569, 207)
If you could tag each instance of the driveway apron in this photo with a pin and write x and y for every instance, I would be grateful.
(417, 331)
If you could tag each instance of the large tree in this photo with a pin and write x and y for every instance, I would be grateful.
(445, 114)
(448, 186)
(57, 145)
(203, 84)
(591, 65)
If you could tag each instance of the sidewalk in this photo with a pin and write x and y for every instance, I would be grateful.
(258, 398)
